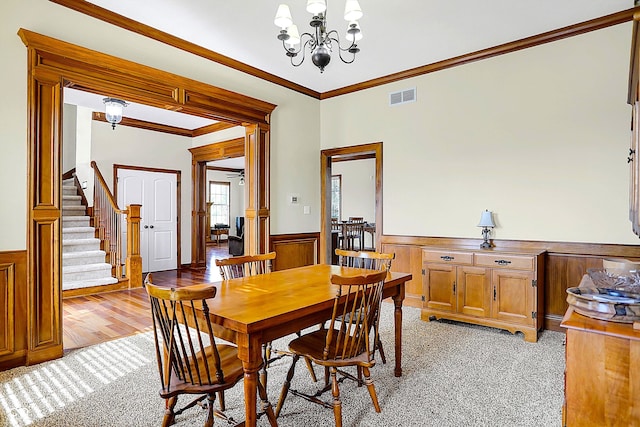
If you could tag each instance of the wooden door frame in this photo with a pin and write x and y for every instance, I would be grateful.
(52, 65)
(178, 174)
(327, 157)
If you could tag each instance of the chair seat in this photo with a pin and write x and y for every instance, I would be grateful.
(312, 345)
(230, 364)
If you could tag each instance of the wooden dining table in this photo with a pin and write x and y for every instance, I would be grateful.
(254, 310)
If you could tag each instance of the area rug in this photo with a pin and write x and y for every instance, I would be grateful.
(454, 374)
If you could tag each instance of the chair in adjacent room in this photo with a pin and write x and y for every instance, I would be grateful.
(347, 341)
(353, 230)
(190, 362)
(252, 265)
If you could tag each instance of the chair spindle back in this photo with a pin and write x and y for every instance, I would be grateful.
(245, 266)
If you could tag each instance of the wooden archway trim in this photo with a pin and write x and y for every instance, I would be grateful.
(53, 64)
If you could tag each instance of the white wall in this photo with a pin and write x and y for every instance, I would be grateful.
(539, 137)
(295, 129)
(358, 188)
(69, 116)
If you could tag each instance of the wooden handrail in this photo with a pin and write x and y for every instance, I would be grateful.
(104, 185)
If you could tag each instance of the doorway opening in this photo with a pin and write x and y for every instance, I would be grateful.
(328, 158)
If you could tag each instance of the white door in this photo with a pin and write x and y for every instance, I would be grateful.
(157, 193)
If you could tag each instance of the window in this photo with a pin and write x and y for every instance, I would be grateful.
(219, 197)
(336, 196)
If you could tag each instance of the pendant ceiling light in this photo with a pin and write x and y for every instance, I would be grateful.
(113, 110)
(321, 42)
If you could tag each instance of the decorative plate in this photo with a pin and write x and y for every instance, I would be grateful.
(605, 303)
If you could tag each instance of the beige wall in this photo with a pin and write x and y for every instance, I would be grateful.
(538, 136)
(295, 122)
(358, 188)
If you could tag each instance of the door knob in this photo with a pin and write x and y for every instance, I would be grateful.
(146, 226)
(151, 226)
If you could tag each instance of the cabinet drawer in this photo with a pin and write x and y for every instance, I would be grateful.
(459, 258)
(516, 262)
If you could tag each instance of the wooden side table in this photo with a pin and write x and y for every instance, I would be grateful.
(220, 232)
(602, 374)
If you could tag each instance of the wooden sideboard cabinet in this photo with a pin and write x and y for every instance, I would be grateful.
(602, 373)
(485, 287)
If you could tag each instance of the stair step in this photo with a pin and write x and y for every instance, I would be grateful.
(70, 190)
(80, 245)
(78, 210)
(71, 233)
(74, 273)
(75, 221)
(87, 283)
(71, 200)
(82, 258)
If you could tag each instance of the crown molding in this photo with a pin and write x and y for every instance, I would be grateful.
(157, 127)
(148, 31)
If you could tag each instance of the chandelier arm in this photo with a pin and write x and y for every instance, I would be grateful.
(303, 50)
(341, 49)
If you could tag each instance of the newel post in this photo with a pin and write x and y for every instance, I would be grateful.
(134, 260)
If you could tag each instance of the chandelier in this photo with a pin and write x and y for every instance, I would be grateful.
(321, 43)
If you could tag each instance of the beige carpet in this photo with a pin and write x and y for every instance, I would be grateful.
(454, 375)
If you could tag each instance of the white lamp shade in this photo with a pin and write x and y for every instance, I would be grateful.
(486, 219)
(294, 37)
(283, 17)
(353, 32)
(352, 10)
(316, 6)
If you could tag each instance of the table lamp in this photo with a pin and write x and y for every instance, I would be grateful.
(486, 222)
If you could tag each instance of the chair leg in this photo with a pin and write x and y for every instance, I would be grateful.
(310, 369)
(266, 350)
(169, 415)
(211, 400)
(381, 351)
(372, 390)
(335, 391)
(221, 400)
(286, 385)
(266, 405)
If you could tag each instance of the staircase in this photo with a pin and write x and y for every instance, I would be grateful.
(83, 263)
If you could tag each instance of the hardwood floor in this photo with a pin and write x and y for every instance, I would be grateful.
(92, 319)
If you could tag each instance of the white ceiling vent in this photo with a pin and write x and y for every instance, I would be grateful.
(402, 97)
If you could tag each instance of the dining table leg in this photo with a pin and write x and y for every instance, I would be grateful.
(397, 302)
(250, 352)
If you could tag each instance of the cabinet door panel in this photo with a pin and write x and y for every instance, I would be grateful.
(474, 291)
(514, 297)
(439, 287)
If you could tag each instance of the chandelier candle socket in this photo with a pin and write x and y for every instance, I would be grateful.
(113, 110)
(322, 42)
(486, 222)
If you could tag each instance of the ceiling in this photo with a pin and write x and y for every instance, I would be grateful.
(398, 35)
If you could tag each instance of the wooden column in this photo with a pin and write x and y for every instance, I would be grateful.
(134, 260)
(257, 184)
(44, 320)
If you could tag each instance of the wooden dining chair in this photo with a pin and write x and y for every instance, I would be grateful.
(190, 362)
(347, 341)
(372, 261)
(352, 231)
(252, 265)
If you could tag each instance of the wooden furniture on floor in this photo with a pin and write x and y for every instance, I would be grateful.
(219, 231)
(486, 287)
(352, 231)
(259, 309)
(602, 373)
(349, 340)
(189, 360)
(370, 228)
(371, 261)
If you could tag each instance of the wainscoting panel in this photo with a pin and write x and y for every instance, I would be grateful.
(13, 306)
(295, 250)
(565, 264)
